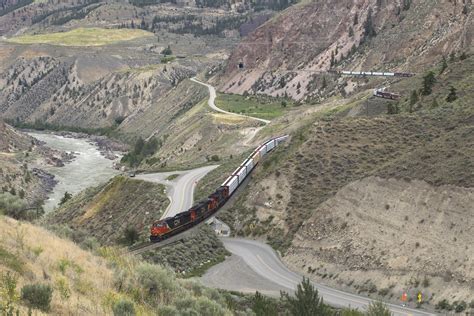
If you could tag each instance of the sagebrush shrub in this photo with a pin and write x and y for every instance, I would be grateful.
(37, 296)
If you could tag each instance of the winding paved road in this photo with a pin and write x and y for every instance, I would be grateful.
(212, 105)
(180, 190)
(255, 266)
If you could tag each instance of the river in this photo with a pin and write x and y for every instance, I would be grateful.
(89, 168)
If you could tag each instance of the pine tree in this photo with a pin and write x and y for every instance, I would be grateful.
(428, 82)
(67, 196)
(369, 27)
(413, 100)
(306, 301)
(351, 32)
(356, 19)
(263, 306)
(452, 96)
(444, 65)
(378, 309)
(324, 85)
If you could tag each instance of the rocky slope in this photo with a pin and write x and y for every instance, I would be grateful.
(363, 200)
(60, 91)
(418, 233)
(18, 152)
(287, 54)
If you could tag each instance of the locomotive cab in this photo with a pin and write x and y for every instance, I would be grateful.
(158, 229)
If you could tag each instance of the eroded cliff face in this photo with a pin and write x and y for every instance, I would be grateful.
(62, 91)
(285, 56)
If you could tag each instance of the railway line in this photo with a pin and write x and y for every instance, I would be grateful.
(266, 264)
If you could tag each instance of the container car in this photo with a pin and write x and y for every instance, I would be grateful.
(171, 226)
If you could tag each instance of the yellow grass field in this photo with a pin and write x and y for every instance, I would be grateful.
(82, 37)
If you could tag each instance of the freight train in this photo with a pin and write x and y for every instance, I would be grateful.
(171, 226)
(381, 93)
(377, 74)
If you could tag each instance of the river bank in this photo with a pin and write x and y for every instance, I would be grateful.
(87, 163)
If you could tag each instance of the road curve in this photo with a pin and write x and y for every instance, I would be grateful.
(212, 105)
(262, 260)
(180, 190)
(266, 263)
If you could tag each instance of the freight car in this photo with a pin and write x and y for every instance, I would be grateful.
(377, 74)
(171, 226)
(381, 93)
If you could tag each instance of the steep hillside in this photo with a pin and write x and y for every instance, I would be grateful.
(201, 136)
(121, 212)
(287, 54)
(199, 17)
(365, 200)
(12, 140)
(418, 234)
(28, 185)
(158, 119)
(54, 91)
(81, 283)
(106, 212)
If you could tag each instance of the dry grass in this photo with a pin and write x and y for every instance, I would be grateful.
(101, 199)
(41, 252)
(83, 37)
(104, 212)
(96, 283)
(227, 118)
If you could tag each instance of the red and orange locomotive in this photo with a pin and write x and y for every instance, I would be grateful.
(170, 226)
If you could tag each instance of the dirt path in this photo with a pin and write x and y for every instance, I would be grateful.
(212, 105)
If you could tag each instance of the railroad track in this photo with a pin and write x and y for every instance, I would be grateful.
(147, 246)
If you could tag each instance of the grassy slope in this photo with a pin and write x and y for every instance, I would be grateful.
(83, 37)
(258, 106)
(191, 256)
(106, 211)
(95, 283)
(197, 135)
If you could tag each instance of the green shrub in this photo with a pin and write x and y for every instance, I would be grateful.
(156, 281)
(460, 306)
(452, 96)
(131, 235)
(306, 301)
(141, 150)
(443, 304)
(37, 296)
(262, 306)
(208, 307)
(378, 309)
(10, 260)
(168, 311)
(384, 291)
(13, 206)
(8, 292)
(123, 308)
(67, 196)
(167, 51)
(428, 82)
